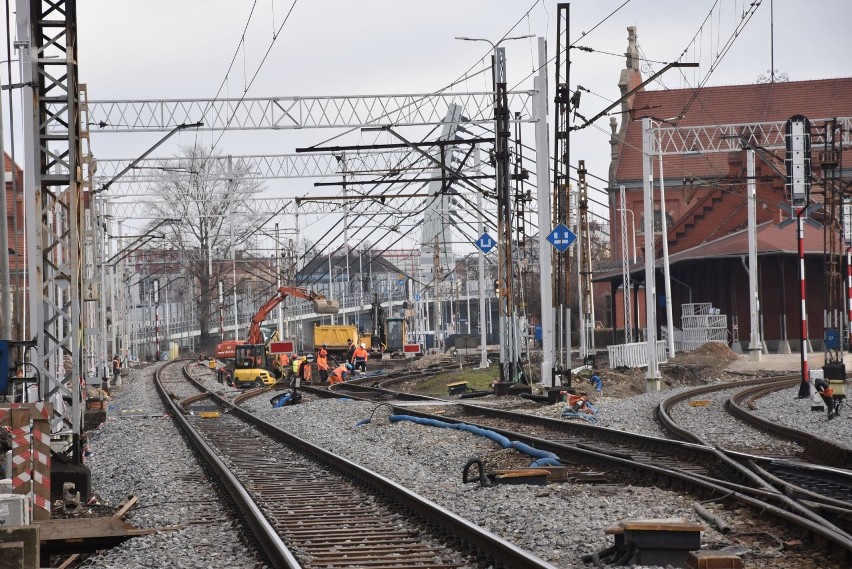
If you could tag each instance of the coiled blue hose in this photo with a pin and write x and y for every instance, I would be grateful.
(282, 401)
(541, 455)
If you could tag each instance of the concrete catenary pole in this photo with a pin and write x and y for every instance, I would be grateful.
(667, 279)
(754, 345)
(543, 194)
(483, 360)
(652, 376)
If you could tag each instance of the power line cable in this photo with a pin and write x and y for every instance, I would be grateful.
(256, 72)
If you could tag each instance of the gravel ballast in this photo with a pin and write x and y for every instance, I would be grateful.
(146, 457)
(558, 522)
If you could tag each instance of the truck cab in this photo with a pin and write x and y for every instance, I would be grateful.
(395, 335)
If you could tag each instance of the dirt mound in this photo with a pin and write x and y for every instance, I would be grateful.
(706, 364)
(715, 349)
(429, 360)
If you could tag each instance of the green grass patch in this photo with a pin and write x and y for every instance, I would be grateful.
(477, 380)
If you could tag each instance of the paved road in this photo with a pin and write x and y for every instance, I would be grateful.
(782, 362)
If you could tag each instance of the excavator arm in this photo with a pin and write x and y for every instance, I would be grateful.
(321, 305)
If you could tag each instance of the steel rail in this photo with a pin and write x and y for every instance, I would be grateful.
(488, 546)
(663, 415)
(275, 549)
(764, 490)
(800, 517)
(817, 449)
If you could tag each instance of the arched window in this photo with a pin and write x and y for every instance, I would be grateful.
(658, 222)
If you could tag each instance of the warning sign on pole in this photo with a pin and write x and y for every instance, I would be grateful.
(284, 347)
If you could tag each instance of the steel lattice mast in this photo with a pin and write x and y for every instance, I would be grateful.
(47, 41)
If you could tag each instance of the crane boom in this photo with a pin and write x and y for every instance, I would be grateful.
(321, 305)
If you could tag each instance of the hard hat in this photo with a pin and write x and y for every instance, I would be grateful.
(364, 346)
(348, 366)
(325, 345)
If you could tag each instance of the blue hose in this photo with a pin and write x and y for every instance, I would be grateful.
(534, 452)
(547, 461)
(282, 401)
(541, 455)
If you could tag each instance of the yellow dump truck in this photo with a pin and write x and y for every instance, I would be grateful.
(335, 336)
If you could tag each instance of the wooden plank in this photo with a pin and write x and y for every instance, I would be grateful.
(87, 528)
(70, 561)
(661, 525)
(126, 506)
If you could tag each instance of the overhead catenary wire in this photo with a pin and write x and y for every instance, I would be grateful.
(256, 73)
(463, 77)
(519, 21)
(230, 66)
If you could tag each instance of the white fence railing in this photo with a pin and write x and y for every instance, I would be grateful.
(688, 340)
(634, 355)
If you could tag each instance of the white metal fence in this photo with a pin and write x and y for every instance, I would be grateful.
(634, 355)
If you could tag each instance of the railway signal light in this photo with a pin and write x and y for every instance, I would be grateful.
(798, 160)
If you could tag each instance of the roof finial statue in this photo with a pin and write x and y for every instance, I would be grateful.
(632, 52)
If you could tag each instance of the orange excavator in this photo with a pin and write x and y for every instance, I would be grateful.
(249, 358)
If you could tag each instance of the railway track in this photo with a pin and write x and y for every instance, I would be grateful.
(827, 491)
(310, 508)
(817, 449)
(822, 502)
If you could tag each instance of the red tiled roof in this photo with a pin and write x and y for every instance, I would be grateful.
(770, 239)
(819, 99)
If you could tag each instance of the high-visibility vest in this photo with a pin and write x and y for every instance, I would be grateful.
(360, 353)
(322, 359)
(340, 370)
(296, 362)
(284, 360)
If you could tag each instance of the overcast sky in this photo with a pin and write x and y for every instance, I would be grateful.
(153, 49)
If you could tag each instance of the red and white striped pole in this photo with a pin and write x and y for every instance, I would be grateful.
(804, 386)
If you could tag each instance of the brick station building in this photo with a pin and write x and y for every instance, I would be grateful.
(706, 207)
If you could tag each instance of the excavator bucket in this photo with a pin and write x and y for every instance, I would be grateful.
(326, 306)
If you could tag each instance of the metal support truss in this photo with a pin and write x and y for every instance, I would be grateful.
(284, 113)
(732, 137)
(266, 167)
(47, 40)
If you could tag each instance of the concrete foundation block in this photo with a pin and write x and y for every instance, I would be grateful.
(12, 555)
(22, 547)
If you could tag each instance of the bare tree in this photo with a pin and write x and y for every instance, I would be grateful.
(200, 205)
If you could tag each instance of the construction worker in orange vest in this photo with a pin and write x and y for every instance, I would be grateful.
(322, 363)
(340, 374)
(283, 364)
(304, 369)
(359, 358)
